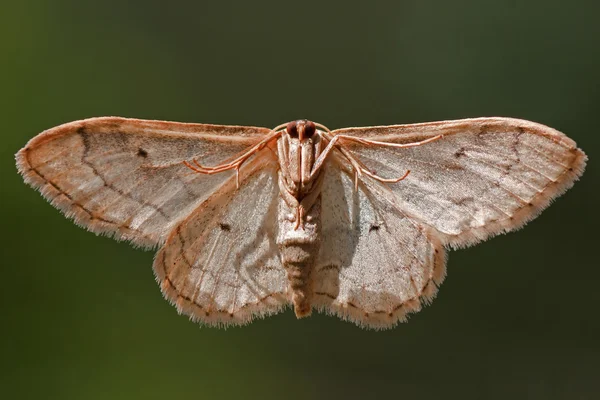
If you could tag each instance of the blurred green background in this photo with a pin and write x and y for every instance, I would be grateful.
(82, 317)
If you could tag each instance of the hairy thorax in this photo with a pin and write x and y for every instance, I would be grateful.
(299, 214)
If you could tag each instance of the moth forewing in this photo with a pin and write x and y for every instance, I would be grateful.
(484, 177)
(126, 177)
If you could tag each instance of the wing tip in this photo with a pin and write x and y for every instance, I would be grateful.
(75, 212)
(526, 213)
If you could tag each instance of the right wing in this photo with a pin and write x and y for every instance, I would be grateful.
(485, 176)
(376, 263)
(126, 177)
(221, 264)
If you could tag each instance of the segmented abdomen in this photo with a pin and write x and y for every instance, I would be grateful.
(298, 247)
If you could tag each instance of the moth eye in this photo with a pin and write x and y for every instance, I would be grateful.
(292, 129)
(309, 129)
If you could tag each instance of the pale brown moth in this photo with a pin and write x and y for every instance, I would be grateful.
(248, 220)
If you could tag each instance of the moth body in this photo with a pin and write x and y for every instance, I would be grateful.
(299, 211)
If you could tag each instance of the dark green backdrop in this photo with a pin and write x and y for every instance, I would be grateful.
(81, 316)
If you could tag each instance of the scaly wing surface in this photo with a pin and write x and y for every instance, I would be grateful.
(483, 177)
(126, 177)
(221, 264)
(377, 263)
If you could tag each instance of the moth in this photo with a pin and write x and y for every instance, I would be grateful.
(248, 220)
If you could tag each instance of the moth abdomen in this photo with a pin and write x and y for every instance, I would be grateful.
(298, 260)
(298, 247)
(300, 283)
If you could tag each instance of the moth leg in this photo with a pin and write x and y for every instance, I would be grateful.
(362, 169)
(235, 164)
(359, 168)
(323, 156)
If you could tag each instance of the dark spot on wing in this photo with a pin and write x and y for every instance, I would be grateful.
(460, 152)
(142, 153)
(225, 227)
(374, 227)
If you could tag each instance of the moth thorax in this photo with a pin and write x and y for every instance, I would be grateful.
(297, 156)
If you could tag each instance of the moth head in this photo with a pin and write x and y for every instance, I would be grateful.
(301, 129)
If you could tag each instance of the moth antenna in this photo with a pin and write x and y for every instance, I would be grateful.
(279, 127)
(326, 129)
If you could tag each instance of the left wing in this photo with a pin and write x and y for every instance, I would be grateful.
(221, 264)
(483, 177)
(125, 177)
